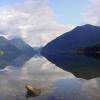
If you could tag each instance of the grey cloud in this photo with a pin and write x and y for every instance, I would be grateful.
(32, 20)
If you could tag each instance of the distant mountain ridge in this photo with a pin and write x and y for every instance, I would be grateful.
(9, 51)
(80, 37)
(15, 45)
(22, 45)
(77, 51)
(12, 49)
(7, 47)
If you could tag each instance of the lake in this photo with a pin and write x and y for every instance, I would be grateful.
(55, 83)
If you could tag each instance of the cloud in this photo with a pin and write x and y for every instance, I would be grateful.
(33, 20)
(92, 88)
(92, 13)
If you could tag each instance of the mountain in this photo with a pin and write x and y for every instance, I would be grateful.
(77, 51)
(8, 52)
(14, 49)
(23, 46)
(91, 51)
(7, 47)
(80, 37)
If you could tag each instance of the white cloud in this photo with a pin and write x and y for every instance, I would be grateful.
(92, 88)
(92, 13)
(33, 20)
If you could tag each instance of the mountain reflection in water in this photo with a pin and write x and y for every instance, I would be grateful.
(37, 72)
(13, 60)
(55, 83)
(81, 66)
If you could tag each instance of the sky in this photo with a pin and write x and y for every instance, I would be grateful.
(40, 21)
(66, 11)
(9, 2)
(69, 11)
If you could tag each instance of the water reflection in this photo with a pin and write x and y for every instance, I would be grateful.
(20, 60)
(76, 89)
(70, 89)
(92, 88)
(80, 65)
(37, 72)
(13, 60)
(55, 83)
(5, 60)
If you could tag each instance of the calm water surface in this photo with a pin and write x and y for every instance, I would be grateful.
(56, 84)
